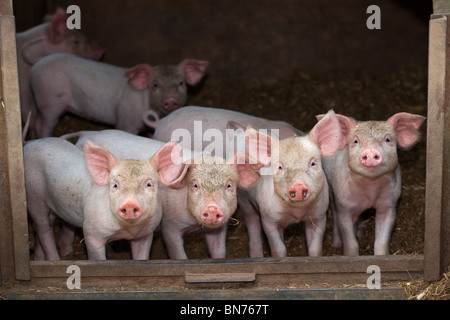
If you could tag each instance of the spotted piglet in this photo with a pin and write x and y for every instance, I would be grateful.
(365, 174)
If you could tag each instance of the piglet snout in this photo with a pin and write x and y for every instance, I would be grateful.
(370, 158)
(298, 192)
(130, 211)
(94, 51)
(212, 215)
(171, 104)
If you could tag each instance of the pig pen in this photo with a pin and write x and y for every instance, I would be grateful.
(281, 60)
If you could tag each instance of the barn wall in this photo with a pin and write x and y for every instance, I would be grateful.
(246, 39)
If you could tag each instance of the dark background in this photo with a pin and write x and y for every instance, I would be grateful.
(251, 38)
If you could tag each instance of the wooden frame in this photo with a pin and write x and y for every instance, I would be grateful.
(437, 201)
(255, 278)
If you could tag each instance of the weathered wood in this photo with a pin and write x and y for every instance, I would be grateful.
(6, 7)
(441, 6)
(219, 277)
(437, 215)
(241, 294)
(234, 273)
(13, 206)
(290, 265)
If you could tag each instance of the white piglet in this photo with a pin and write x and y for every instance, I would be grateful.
(365, 174)
(109, 199)
(296, 189)
(107, 93)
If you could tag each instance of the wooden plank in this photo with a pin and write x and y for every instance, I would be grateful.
(290, 265)
(6, 237)
(438, 103)
(269, 272)
(388, 293)
(445, 210)
(219, 277)
(15, 210)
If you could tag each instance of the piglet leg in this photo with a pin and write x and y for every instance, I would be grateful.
(346, 224)
(66, 239)
(314, 235)
(140, 249)
(43, 224)
(95, 247)
(384, 223)
(275, 236)
(216, 242)
(253, 223)
(174, 243)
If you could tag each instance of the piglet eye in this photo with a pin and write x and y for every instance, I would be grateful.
(180, 83)
(280, 167)
(114, 186)
(155, 85)
(149, 184)
(195, 185)
(355, 140)
(229, 185)
(388, 138)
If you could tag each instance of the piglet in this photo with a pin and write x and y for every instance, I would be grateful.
(106, 93)
(109, 199)
(43, 40)
(366, 174)
(295, 191)
(209, 188)
(198, 121)
(204, 199)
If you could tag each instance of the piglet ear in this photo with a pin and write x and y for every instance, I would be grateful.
(233, 125)
(406, 127)
(194, 70)
(139, 76)
(259, 145)
(58, 27)
(327, 134)
(99, 163)
(247, 168)
(168, 161)
(346, 124)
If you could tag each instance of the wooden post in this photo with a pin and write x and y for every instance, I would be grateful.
(14, 254)
(437, 219)
(441, 6)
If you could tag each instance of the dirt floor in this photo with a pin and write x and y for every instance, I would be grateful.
(297, 98)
